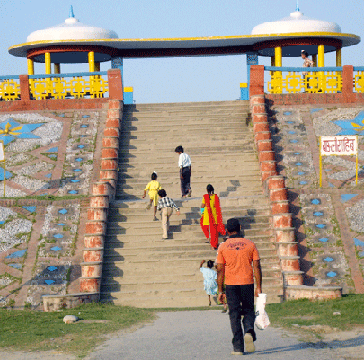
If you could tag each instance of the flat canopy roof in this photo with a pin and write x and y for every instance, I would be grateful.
(199, 46)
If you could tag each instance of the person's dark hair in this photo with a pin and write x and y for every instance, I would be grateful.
(154, 176)
(233, 225)
(178, 149)
(210, 189)
(210, 264)
(304, 52)
(162, 193)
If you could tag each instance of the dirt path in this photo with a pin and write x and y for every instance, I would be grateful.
(206, 335)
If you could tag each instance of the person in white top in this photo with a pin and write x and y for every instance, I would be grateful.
(184, 164)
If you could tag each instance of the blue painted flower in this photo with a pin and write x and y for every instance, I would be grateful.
(11, 130)
(351, 127)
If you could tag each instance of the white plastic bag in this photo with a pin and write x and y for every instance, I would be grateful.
(261, 317)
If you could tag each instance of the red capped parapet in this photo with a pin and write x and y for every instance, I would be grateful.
(103, 191)
(274, 185)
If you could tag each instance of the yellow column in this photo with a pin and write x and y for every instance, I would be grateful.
(57, 68)
(278, 56)
(338, 57)
(321, 55)
(47, 59)
(91, 65)
(48, 70)
(277, 76)
(91, 61)
(314, 59)
(30, 67)
(321, 63)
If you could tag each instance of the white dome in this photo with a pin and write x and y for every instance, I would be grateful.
(296, 23)
(72, 29)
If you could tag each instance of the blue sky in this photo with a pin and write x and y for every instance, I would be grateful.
(175, 79)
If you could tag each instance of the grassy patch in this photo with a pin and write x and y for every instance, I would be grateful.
(305, 312)
(30, 330)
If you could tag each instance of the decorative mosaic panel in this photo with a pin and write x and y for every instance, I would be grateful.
(42, 158)
(49, 167)
(338, 207)
(56, 247)
(292, 147)
(324, 242)
(16, 225)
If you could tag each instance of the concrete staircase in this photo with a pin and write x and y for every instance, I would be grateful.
(140, 268)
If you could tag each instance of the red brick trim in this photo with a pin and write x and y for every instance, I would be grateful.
(102, 192)
(274, 185)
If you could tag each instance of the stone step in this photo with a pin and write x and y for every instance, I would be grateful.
(164, 245)
(191, 212)
(244, 203)
(119, 284)
(186, 118)
(199, 158)
(188, 260)
(221, 183)
(193, 141)
(175, 193)
(179, 238)
(179, 270)
(184, 218)
(243, 206)
(189, 207)
(190, 150)
(129, 254)
(151, 292)
(244, 171)
(170, 164)
(185, 297)
(189, 230)
(176, 225)
(183, 105)
(174, 189)
(174, 300)
(167, 262)
(193, 108)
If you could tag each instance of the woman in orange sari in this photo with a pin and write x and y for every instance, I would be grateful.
(211, 219)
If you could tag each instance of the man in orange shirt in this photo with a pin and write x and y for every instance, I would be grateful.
(236, 260)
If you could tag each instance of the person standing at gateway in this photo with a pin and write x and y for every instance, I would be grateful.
(236, 259)
(184, 164)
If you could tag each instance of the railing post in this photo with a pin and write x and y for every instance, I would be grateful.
(256, 80)
(116, 85)
(347, 90)
(24, 88)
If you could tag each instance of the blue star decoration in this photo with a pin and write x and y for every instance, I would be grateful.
(11, 130)
(353, 126)
(5, 174)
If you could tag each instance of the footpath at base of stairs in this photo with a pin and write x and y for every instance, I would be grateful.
(140, 268)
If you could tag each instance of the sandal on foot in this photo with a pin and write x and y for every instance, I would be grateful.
(249, 343)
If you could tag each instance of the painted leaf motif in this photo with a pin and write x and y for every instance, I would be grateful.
(17, 128)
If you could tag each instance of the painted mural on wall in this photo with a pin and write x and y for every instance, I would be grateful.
(47, 154)
(296, 140)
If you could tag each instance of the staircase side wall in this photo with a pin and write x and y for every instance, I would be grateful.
(57, 163)
(274, 187)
